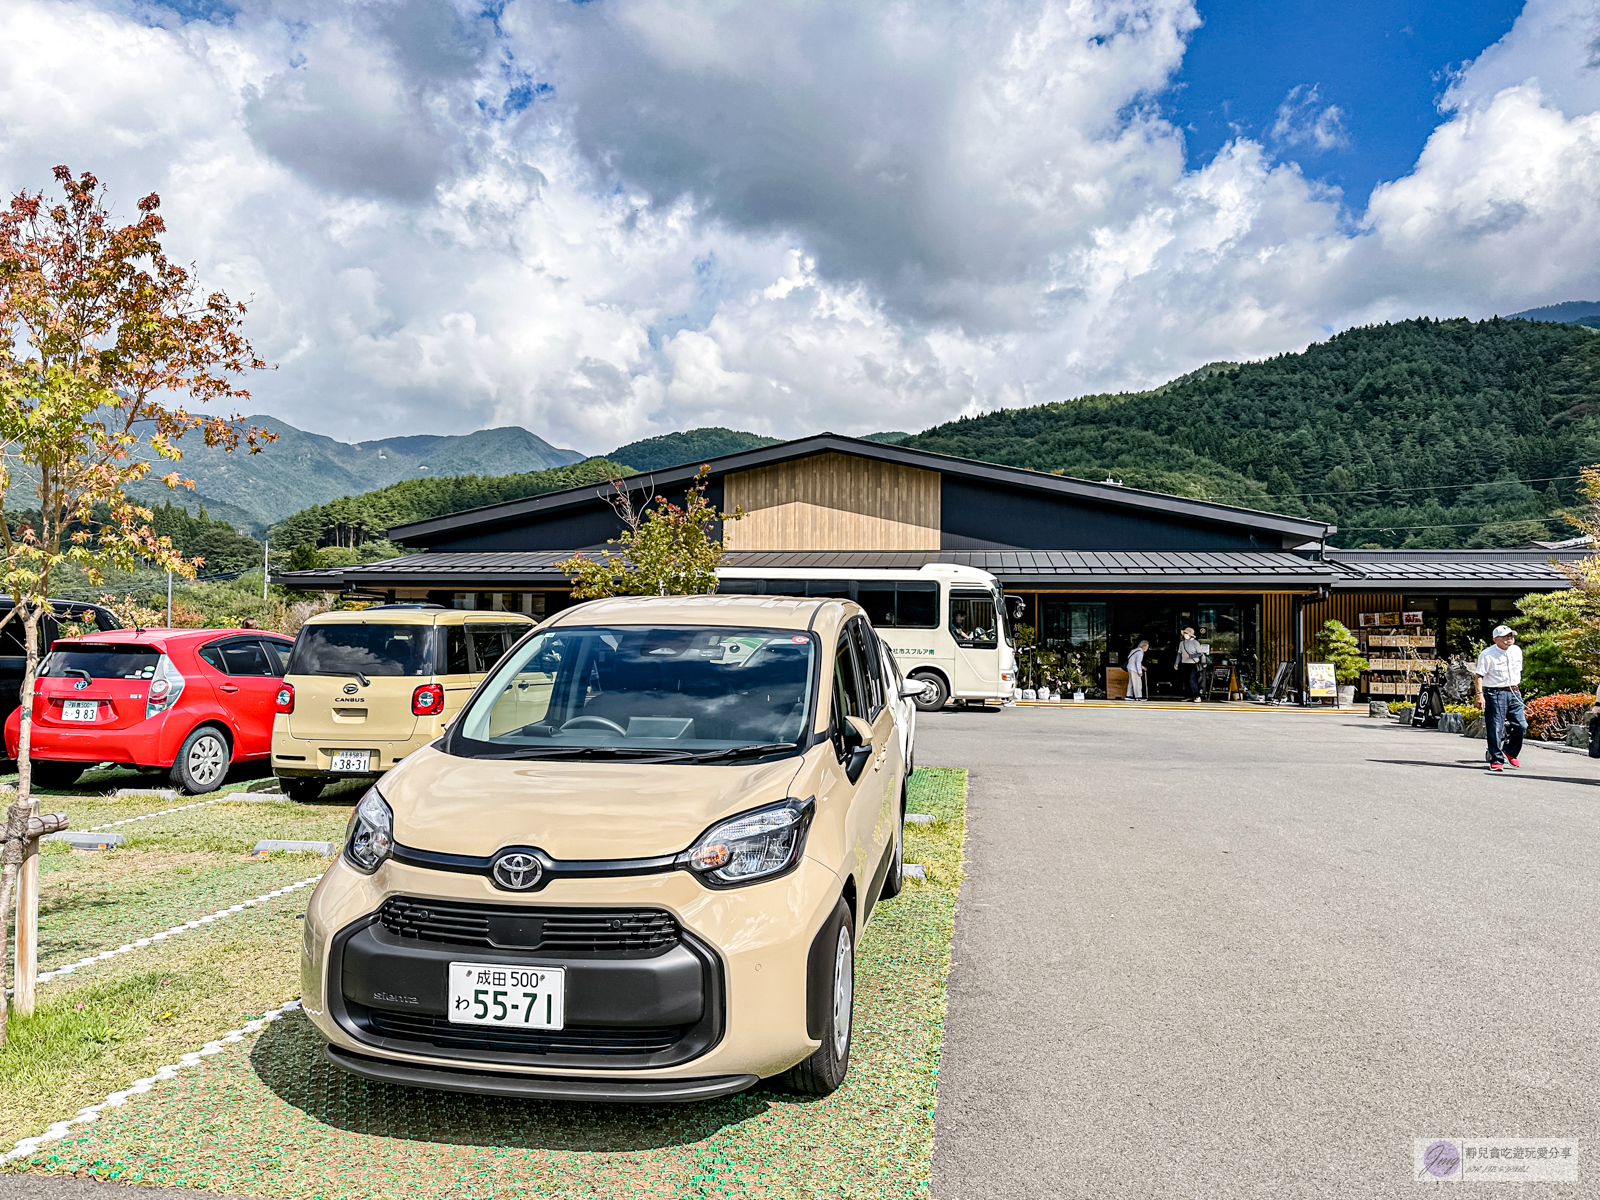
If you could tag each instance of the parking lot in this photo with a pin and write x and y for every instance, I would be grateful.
(1218, 953)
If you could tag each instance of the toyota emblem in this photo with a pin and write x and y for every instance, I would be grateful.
(349, 689)
(517, 872)
(81, 684)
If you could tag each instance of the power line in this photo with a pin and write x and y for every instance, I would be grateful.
(1466, 525)
(1439, 487)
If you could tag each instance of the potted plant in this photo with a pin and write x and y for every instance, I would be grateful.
(1338, 646)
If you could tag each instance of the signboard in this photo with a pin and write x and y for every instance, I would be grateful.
(1411, 618)
(1320, 683)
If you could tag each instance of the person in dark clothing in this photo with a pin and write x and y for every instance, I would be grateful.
(1190, 656)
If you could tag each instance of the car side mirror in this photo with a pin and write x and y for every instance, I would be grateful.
(858, 747)
(913, 689)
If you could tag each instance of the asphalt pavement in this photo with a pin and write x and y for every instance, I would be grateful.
(1211, 954)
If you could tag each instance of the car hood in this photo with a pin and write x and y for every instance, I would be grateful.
(571, 810)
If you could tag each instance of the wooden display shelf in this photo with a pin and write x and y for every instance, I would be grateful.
(1394, 687)
(1404, 664)
(1411, 640)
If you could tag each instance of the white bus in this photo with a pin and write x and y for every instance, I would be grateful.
(947, 625)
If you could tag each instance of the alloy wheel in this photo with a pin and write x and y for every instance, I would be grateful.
(208, 759)
(843, 993)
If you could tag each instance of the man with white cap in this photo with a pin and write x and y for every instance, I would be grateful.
(1499, 677)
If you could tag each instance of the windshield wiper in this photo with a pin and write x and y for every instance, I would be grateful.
(743, 751)
(654, 754)
(365, 682)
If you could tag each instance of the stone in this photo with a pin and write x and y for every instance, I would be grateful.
(1476, 730)
(1405, 713)
(1578, 735)
(1451, 723)
(919, 819)
(268, 845)
(1376, 708)
(916, 871)
(145, 794)
(86, 841)
(269, 784)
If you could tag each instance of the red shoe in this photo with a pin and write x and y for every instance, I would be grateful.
(1511, 762)
(1494, 766)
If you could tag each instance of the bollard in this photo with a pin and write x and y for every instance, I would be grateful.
(19, 870)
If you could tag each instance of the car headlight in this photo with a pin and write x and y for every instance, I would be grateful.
(754, 845)
(370, 839)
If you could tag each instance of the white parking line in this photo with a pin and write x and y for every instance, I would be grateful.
(162, 813)
(84, 1116)
(141, 943)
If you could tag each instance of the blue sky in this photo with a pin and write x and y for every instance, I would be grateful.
(1382, 63)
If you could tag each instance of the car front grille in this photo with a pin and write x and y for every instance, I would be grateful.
(550, 930)
(438, 1031)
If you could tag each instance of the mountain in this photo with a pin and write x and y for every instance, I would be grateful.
(1571, 311)
(1418, 433)
(301, 468)
(690, 446)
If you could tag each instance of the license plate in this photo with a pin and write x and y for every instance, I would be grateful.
(495, 994)
(352, 760)
(79, 710)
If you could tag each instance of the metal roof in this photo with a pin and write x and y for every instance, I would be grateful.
(516, 511)
(1450, 570)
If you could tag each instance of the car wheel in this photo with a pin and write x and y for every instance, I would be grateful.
(824, 1071)
(934, 692)
(203, 761)
(55, 775)
(301, 791)
(896, 878)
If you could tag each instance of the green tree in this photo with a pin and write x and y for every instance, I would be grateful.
(1339, 646)
(304, 557)
(666, 549)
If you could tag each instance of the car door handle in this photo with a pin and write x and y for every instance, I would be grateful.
(230, 687)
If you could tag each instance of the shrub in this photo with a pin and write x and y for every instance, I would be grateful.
(1469, 713)
(1339, 647)
(1549, 716)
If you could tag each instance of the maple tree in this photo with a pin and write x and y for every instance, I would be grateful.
(97, 327)
(666, 550)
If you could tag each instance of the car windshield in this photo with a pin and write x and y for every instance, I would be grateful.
(365, 649)
(102, 662)
(651, 691)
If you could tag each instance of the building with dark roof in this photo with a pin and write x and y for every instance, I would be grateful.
(1097, 565)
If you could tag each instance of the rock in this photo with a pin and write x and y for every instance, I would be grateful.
(1578, 735)
(1477, 730)
(1377, 708)
(1405, 713)
(1451, 723)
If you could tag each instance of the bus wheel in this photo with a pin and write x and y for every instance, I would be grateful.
(934, 691)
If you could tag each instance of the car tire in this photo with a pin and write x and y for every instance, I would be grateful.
(56, 775)
(896, 878)
(301, 791)
(935, 693)
(824, 1071)
(203, 761)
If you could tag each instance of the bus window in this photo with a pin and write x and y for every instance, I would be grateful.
(833, 589)
(916, 605)
(740, 587)
(877, 598)
(972, 620)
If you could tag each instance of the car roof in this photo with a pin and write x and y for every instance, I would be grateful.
(386, 615)
(159, 638)
(770, 612)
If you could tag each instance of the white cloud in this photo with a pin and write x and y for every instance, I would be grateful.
(607, 220)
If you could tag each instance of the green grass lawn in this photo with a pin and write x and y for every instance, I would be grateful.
(272, 1118)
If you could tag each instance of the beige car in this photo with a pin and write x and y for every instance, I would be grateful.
(366, 688)
(635, 868)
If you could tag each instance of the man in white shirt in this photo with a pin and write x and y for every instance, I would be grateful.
(1499, 678)
(1136, 690)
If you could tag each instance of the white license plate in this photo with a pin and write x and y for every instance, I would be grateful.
(352, 760)
(80, 710)
(495, 994)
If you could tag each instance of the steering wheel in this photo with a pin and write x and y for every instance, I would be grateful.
(591, 721)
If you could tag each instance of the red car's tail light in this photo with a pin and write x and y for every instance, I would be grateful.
(427, 700)
(165, 687)
(284, 701)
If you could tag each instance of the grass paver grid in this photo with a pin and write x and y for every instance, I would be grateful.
(278, 1120)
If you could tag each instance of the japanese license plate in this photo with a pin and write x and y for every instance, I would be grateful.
(495, 994)
(352, 760)
(80, 710)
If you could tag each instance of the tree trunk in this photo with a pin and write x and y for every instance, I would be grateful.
(30, 624)
(27, 869)
(12, 845)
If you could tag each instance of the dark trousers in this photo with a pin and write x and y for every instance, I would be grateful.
(1191, 679)
(1505, 722)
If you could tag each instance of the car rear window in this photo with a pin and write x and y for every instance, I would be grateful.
(102, 662)
(375, 649)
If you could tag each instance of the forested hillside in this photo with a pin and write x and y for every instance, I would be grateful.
(353, 521)
(689, 446)
(1414, 434)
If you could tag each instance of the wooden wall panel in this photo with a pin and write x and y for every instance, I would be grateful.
(833, 502)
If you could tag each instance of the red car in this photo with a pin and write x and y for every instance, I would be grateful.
(189, 700)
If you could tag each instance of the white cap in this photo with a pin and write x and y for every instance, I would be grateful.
(1503, 630)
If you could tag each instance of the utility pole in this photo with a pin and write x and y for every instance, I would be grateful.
(169, 599)
(266, 552)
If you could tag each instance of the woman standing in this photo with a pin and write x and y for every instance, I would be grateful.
(1190, 656)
